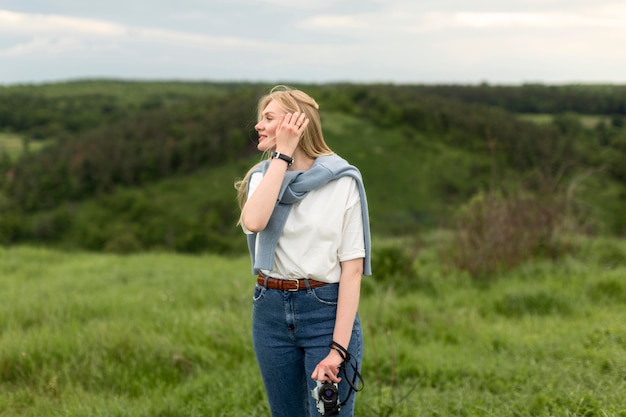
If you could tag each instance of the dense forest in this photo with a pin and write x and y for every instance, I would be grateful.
(124, 166)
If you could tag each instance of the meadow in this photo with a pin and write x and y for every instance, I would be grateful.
(162, 334)
(125, 284)
(13, 145)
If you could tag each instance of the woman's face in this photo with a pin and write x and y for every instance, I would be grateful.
(266, 127)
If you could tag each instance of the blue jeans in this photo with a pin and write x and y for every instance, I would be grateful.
(291, 333)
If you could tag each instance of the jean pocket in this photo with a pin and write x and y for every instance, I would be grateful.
(259, 292)
(328, 294)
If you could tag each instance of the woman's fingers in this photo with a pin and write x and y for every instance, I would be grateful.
(301, 119)
(290, 131)
(304, 123)
(328, 375)
(295, 120)
(328, 368)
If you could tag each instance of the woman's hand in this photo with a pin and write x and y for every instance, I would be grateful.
(290, 131)
(347, 305)
(328, 368)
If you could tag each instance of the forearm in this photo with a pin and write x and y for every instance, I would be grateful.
(348, 300)
(259, 207)
(347, 306)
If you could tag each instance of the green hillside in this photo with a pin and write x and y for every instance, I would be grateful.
(498, 250)
(131, 166)
(196, 212)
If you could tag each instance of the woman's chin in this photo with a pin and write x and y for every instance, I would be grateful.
(263, 147)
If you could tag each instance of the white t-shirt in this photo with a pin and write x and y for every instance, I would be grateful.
(322, 230)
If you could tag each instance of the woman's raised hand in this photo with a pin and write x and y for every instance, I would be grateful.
(290, 131)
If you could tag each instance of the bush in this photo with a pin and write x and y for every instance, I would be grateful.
(11, 228)
(495, 233)
(392, 264)
(123, 243)
(50, 226)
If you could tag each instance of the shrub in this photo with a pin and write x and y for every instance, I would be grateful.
(392, 264)
(124, 242)
(495, 233)
(49, 226)
(11, 228)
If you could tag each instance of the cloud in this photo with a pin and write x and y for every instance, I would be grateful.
(326, 22)
(395, 20)
(24, 23)
(534, 20)
(53, 33)
(389, 40)
(302, 5)
(39, 45)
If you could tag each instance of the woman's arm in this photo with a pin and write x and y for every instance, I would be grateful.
(347, 306)
(259, 207)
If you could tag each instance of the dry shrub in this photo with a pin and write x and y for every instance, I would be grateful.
(496, 233)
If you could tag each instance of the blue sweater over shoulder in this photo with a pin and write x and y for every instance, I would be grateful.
(295, 187)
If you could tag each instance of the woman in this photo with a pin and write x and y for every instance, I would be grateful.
(304, 211)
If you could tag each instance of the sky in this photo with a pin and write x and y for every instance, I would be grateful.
(360, 41)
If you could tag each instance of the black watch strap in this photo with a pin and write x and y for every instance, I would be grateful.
(278, 155)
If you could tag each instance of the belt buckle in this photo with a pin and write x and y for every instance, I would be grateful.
(297, 284)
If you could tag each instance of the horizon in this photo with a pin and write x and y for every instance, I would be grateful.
(78, 80)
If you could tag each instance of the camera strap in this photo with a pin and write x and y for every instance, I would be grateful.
(354, 364)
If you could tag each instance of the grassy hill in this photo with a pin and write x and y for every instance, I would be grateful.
(404, 178)
(455, 322)
(163, 334)
(155, 162)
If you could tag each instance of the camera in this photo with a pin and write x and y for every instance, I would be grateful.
(326, 395)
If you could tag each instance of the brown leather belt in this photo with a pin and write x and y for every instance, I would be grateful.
(288, 284)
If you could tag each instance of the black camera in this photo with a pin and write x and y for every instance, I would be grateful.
(326, 395)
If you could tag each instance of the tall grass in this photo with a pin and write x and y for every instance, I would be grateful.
(169, 335)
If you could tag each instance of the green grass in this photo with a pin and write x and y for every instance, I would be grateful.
(169, 335)
(13, 145)
(587, 120)
(130, 91)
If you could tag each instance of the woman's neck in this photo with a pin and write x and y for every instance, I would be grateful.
(301, 162)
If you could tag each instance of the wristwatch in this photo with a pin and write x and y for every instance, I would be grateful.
(278, 155)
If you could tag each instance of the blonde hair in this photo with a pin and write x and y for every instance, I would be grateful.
(312, 141)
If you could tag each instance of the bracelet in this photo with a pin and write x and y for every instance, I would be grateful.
(278, 155)
(343, 352)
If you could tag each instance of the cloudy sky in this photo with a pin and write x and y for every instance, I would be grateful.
(400, 41)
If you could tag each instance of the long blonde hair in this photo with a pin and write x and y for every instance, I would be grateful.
(312, 141)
